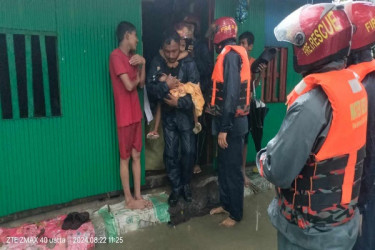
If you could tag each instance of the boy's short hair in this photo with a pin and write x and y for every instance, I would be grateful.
(122, 29)
(248, 36)
(169, 36)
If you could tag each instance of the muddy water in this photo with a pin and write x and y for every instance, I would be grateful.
(205, 233)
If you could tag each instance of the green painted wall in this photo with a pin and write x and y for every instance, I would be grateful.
(55, 160)
(256, 24)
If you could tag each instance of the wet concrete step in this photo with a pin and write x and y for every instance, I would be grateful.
(115, 220)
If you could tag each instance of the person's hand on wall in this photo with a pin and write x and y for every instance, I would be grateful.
(171, 100)
(222, 140)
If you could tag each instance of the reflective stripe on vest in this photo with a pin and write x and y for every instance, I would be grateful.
(337, 166)
(363, 69)
(218, 80)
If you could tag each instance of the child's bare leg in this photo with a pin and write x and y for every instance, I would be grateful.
(157, 117)
(124, 173)
(136, 167)
(197, 125)
(153, 134)
(197, 128)
(195, 117)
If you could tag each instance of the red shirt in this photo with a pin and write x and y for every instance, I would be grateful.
(127, 107)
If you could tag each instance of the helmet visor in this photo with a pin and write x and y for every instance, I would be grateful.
(294, 27)
(289, 30)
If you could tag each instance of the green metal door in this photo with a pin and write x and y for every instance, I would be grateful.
(55, 158)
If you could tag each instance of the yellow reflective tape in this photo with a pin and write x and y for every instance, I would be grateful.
(370, 25)
(358, 108)
(327, 27)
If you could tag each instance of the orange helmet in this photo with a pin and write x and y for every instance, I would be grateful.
(224, 28)
(362, 16)
(320, 33)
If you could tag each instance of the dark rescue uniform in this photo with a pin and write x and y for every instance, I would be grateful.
(233, 122)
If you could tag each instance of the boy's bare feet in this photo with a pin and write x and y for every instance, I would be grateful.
(228, 222)
(135, 204)
(197, 169)
(147, 203)
(218, 210)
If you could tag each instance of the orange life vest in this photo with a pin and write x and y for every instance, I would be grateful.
(363, 69)
(215, 106)
(326, 191)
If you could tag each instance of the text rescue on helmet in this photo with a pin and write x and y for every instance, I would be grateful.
(328, 26)
(370, 25)
(227, 28)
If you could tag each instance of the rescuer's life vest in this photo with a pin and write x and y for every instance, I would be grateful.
(215, 104)
(363, 69)
(326, 190)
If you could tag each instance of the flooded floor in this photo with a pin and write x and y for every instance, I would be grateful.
(205, 232)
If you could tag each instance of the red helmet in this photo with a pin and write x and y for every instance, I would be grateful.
(320, 33)
(224, 28)
(362, 16)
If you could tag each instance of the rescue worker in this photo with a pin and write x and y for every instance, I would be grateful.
(315, 160)
(229, 104)
(177, 113)
(362, 16)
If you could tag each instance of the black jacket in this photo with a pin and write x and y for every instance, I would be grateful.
(231, 95)
(368, 176)
(187, 71)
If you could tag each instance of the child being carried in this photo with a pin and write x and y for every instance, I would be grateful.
(182, 90)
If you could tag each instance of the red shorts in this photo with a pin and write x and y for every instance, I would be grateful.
(129, 137)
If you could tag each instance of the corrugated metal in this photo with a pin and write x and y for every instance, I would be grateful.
(20, 14)
(54, 160)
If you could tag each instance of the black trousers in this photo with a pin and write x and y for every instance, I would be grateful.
(231, 183)
(179, 156)
(201, 138)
